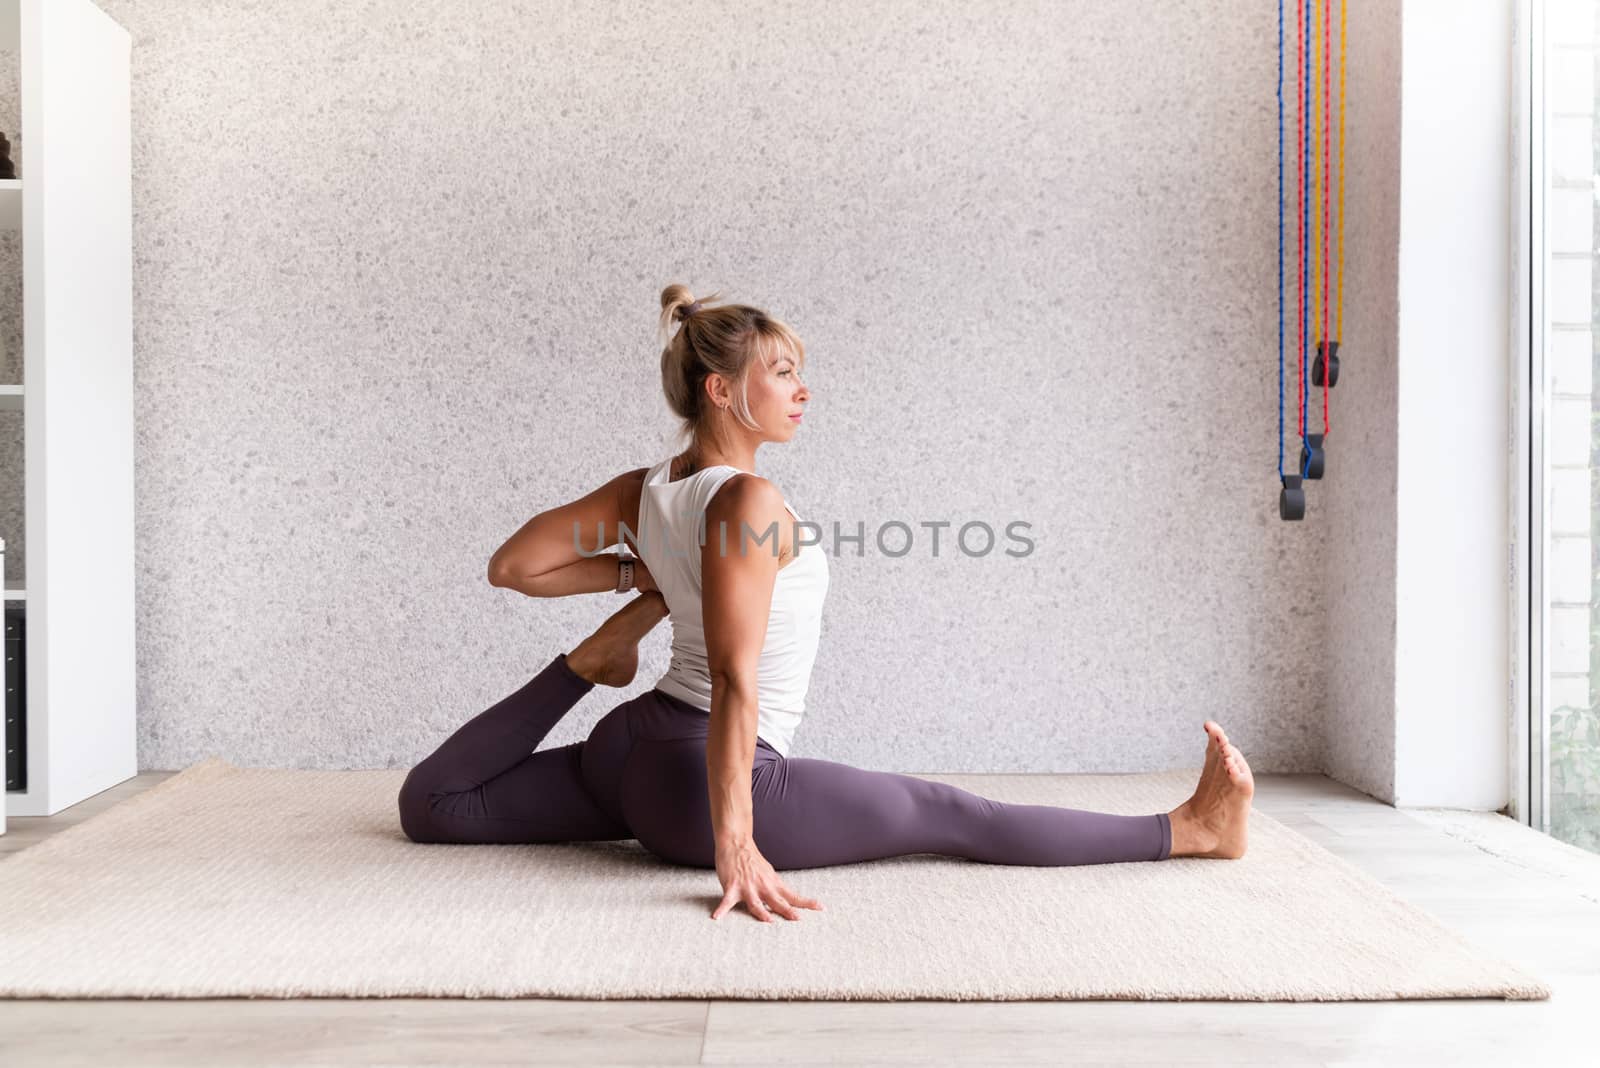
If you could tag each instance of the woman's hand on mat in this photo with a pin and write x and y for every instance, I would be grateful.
(746, 876)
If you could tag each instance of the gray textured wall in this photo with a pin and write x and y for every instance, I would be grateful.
(11, 425)
(395, 280)
(1358, 568)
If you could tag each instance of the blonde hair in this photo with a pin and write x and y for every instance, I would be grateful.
(726, 340)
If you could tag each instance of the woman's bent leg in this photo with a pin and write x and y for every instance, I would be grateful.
(810, 813)
(485, 783)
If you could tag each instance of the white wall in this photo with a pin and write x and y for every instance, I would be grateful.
(1452, 550)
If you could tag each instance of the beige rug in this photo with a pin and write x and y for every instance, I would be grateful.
(225, 881)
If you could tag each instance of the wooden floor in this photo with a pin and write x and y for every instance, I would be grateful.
(1514, 892)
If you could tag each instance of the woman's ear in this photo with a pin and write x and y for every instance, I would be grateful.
(715, 387)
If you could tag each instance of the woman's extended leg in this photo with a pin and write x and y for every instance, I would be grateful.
(816, 812)
(810, 813)
(485, 783)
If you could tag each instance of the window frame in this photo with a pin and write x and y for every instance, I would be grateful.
(1530, 778)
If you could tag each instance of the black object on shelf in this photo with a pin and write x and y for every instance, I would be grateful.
(16, 699)
(8, 169)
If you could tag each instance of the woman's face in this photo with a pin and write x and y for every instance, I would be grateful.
(777, 396)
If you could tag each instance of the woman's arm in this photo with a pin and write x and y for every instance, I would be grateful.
(737, 579)
(737, 583)
(597, 574)
(557, 539)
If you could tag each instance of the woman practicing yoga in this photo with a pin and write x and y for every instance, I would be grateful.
(697, 768)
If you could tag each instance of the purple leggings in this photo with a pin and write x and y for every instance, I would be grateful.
(641, 774)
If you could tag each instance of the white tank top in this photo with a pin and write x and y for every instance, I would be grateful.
(672, 529)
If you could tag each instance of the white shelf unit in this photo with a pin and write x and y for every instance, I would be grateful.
(73, 202)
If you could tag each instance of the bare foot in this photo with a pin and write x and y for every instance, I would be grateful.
(610, 656)
(1215, 821)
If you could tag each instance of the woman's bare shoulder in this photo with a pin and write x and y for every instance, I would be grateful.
(630, 487)
(746, 497)
(749, 510)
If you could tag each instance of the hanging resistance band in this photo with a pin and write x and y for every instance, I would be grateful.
(1315, 309)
